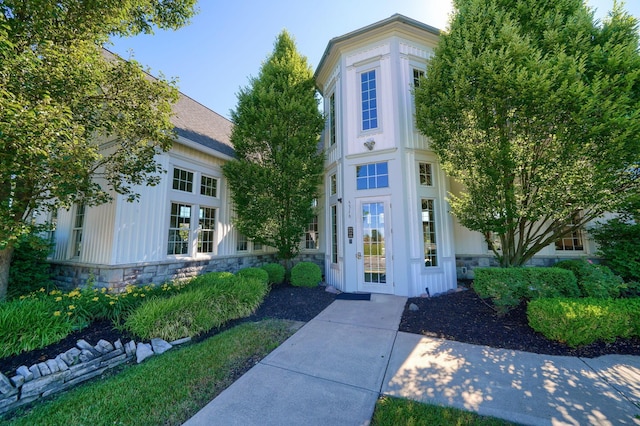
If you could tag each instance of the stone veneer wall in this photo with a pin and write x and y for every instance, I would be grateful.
(69, 275)
(466, 264)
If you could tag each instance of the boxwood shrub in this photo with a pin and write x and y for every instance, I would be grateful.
(276, 272)
(583, 321)
(593, 280)
(508, 287)
(306, 274)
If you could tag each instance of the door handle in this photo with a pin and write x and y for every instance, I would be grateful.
(358, 255)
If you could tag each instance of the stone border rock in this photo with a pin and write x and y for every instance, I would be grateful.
(78, 364)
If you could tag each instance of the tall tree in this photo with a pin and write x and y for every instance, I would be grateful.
(535, 108)
(76, 124)
(278, 167)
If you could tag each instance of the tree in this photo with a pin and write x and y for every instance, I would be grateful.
(76, 124)
(278, 167)
(535, 108)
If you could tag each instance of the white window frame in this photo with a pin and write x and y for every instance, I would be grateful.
(377, 74)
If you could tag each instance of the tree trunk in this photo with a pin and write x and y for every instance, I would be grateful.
(5, 262)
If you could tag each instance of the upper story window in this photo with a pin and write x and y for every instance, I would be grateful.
(182, 180)
(208, 186)
(333, 185)
(369, 100)
(417, 75)
(332, 119)
(426, 174)
(370, 176)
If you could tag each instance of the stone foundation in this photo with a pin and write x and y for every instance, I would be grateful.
(466, 264)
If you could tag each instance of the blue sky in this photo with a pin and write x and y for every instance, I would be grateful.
(228, 41)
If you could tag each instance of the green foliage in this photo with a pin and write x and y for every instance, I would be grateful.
(29, 267)
(278, 169)
(535, 110)
(165, 390)
(257, 273)
(276, 272)
(619, 241)
(584, 321)
(594, 280)
(197, 309)
(508, 287)
(28, 324)
(306, 274)
(62, 96)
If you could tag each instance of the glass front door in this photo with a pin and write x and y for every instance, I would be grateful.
(374, 247)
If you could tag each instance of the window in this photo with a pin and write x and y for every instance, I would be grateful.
(375, 175)
(417, 75)
(332, 119)
(573, 240)
(243, 243)
(78, 224)
(208, 186)
(426, 176)
(429, 234)
(334, 234)
(182, 180)
(311, 236)
(206, 226)
(179, 229)
(333, 185)
(369, 100)
(257, 246)
(495, 241)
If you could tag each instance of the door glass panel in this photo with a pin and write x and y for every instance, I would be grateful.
(373, 243)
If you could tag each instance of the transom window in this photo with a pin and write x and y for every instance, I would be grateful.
(179, 229)
(369, 100)
(208, 186)
(370, 176)
(429, 234)
(206, 227)
(182, 180)
(426, 175)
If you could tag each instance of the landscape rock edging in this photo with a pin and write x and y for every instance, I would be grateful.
(74, 366)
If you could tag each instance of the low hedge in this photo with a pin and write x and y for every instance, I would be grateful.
(593, 280)
(209, 302)
(584, 321)
(306, 274)
(276, 272)
(257, 273)
(508, 287)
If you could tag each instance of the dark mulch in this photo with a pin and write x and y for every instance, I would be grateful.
(464, 317)
(460, 316)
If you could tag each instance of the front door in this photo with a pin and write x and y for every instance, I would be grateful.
(374, 253)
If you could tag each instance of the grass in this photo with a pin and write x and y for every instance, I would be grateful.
(395, 411)
(168, 389)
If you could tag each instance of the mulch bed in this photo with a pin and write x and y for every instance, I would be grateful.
(460, 316)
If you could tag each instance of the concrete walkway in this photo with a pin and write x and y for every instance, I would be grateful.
(332, 371)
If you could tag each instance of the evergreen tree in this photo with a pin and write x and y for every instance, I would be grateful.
(278, 167)
(535, 108)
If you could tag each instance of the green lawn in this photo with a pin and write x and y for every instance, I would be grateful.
(167, 389)
(394, 412)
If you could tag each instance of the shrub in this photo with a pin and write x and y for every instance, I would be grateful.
(30, 324)
(593, 280)
(29, 269)
(508, 287)
(306, 274)
(198, 308)
(619, 244)
(257, 273)
(583, 321)
(210, 279)
(276, 272)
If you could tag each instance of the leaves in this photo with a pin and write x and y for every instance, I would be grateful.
(534, 109)
(278, 168)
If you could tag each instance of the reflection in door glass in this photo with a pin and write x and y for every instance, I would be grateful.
(373, 243)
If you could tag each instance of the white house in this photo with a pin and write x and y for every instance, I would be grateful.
(383, 222)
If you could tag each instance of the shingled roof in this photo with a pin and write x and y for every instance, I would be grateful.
(196, 122)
